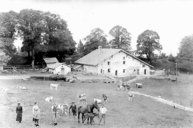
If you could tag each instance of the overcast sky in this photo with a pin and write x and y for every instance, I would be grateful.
(171, 19)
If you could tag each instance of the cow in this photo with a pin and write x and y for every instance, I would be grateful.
(49, 99)
(130, 96)
(63, 108)
(54, 86)
(82, 97)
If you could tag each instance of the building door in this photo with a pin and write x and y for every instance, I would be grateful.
(62, 70)
(144, 71)
(116, 72)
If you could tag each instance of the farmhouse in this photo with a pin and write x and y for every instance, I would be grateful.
(55, 67)
(114, 62)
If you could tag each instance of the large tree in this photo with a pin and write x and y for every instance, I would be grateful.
(121, 38)
(45, 34)
(186, 48)
(147, 44)
(96, 38)
(80, 48)
(8, 23)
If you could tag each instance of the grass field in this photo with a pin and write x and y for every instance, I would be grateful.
(141, 113)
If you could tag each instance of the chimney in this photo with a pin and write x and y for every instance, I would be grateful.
(100, 49)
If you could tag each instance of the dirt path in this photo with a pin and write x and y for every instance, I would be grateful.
(164, 101)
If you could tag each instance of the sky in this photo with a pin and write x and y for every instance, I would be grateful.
(171, 19)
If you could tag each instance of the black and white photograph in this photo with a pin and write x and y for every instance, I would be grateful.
(96, 64)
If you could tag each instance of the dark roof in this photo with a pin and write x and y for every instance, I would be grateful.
(51, 60)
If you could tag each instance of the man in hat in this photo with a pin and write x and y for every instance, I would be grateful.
(19, 111)
(102, 112)
(73, 109)
(54, 112)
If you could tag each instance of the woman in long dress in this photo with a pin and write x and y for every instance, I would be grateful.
(36, 114)
(19, 111)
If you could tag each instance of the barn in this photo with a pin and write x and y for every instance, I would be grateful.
(113, 62)
(55, 67)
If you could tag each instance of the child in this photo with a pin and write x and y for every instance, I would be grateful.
(104, 98)
(102, 111)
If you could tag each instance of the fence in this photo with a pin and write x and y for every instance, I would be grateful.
(10, 67)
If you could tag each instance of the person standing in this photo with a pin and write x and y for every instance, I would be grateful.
(36, 114)
(54, 112)
(19, 111)
(73, 109)
(102, 112)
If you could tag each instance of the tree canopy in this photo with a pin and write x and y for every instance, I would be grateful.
(148, 43)
(186, 48)
(8, 22)
(43, 33)
(121, 38)
(96, 38)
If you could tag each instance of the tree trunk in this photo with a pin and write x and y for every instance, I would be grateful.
(33, 58)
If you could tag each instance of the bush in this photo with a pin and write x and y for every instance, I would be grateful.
(57, 77)
(185, 66)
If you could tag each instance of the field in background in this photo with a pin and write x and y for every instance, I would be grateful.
(141, 113)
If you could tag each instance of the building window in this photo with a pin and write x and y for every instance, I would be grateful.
(137, 71)
(123, 70)
(123, 57)
(143, 65)
(123, 62)
(101, 71)
(108, 62)
(109, 70)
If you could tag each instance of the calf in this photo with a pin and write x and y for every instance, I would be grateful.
(120, 87)
(90, 117)
(63, 108)
(3, 90)
(49, 99)
(130, 96)
(54, 86)
(126, 86)
(99, 101)
(82, 97)
(138, 85)
(104, 98)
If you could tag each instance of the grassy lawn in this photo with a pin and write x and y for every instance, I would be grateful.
(180, 91)
(141, 113)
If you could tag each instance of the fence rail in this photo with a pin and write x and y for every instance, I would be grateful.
(9, 67)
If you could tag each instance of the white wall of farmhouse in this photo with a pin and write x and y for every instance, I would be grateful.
(90, 69)
(122, 65)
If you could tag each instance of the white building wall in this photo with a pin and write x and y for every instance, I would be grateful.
(90, 69)
(62, 70)
(117, 66)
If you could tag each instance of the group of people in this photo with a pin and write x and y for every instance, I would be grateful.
(72, 109)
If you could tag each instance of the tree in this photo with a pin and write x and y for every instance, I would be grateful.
(186, 48)
(80, 48)
(45, 34)
(3, 57)
(8, 23)
(147, 44)
(96, 38)
(185, 55)
(122, 38)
